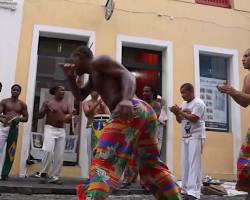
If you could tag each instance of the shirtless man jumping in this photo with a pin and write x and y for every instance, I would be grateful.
(133, 124)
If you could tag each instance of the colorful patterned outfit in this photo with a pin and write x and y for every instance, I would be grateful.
(131, 172)
(243, 166)
(117, 143)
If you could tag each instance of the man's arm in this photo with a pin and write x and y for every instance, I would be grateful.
(25, 115)
(2, 116)
(44, 110)
(1, 108)
(80, 93)
(189, 116)
(183, 114)
(106, 109)
(90, 110)
(157, 109)
(240, 97)
(69, 110)
(178, 117)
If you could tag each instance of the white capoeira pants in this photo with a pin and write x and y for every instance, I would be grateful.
(159, 131)
(191, 167)
(4, 132)
(53, 147)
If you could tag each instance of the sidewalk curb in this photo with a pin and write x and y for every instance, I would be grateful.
(30, 186)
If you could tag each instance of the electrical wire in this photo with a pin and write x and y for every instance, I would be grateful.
(159, 14)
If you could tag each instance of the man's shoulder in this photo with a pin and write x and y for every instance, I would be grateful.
(157, 104)
(22, 102)
(102, 60)
(87, 102)
(247, 78)
(6, 100)
(199, 101)
(246, 84)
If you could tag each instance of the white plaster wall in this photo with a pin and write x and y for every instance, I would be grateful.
(10, 26)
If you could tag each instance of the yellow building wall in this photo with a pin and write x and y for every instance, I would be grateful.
(185, 24)
(241, 5)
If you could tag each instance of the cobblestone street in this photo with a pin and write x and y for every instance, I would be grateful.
(7, 196)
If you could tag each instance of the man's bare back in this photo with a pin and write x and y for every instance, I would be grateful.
(114, 83)
(106, 80)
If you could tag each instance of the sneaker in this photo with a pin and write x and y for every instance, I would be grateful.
(44, 175)
(125, 184)
(55, 180)
(36, 175)
(86, 181)
(43, 178)
(189, 197)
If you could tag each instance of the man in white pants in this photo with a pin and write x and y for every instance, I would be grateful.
(10, 108)
(191, 116)
(58, 113)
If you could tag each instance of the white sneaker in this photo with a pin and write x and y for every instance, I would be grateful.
(55, 180)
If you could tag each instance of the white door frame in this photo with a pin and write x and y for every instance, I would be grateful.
(167, 76)
(56, 32)
(234, 109)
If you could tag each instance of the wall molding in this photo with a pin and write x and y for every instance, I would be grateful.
(166, 47)
(235, 116)
(8, 4)
(62, 33)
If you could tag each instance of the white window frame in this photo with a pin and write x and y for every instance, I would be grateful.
(235, 118)
(54, 32)
(167, 76)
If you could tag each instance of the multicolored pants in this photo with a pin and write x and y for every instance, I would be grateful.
(243, 166)
(118, 141)
(131, 172)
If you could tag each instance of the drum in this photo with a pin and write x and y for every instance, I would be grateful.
(99, 121)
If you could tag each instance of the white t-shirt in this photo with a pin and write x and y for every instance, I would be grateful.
(193, 130)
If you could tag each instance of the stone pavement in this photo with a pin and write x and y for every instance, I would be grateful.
(32, 186)
(7, 196)
(31, 189)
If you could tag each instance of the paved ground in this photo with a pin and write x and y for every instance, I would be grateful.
(124, 197)
(30, 189)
